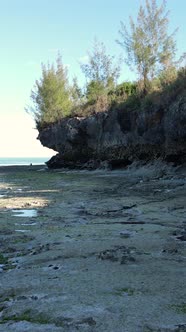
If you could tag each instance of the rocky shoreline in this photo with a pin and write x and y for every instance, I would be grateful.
(104, 251)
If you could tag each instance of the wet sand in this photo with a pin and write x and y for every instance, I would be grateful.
(103, 250)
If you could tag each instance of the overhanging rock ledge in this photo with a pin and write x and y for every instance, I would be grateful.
(118, 137)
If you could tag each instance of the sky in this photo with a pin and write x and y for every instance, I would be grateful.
(33, 31)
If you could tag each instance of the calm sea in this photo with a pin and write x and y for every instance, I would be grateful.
(23, 161)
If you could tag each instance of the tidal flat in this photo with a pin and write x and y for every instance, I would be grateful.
(87, 251)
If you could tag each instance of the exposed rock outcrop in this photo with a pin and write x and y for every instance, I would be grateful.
(119, 137)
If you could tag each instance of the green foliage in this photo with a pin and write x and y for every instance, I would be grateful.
(94, 90)
(148, 46)
(124, 291)
(77, 98)
(123, 91)
(179, 308)
(150, 50)
(3, 259)
(167, 76)
(126, 88)
(167, 95)
(101, 72)
(175, 88)
(76, 93)
(51, 95)
(158, 98)
(27, 316)
(132, 103)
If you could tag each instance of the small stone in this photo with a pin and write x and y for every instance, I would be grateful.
(131, 259)
(125, 234)
(21, 297)
(34, 297)
(56, 267)
(182, 237)
(127, 258)
(124, 259)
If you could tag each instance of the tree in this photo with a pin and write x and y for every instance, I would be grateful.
(51, 95)
(76, 93)
(148, 46)
(101, 72)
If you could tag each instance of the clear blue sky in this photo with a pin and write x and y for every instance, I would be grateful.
(32, 31)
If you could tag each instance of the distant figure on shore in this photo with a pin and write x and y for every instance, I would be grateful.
(30, 164)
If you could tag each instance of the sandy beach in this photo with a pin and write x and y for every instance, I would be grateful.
(99, 251)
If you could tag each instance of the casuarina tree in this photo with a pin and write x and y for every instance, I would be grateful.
(101, 71)
(51, 95)
(148, 46)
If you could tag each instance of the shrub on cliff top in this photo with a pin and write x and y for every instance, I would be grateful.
(51, 95)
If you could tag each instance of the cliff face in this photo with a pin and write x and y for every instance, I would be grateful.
(119, 137)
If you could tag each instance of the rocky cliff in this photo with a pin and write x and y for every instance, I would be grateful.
(119, 137)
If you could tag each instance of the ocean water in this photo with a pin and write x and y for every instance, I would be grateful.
(22, 161)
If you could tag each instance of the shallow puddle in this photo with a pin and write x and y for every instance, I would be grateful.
(22, 230)
(2, 195)
(29, 224)
(25, 213)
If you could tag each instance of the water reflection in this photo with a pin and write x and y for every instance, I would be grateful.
(22, 230)
(25, 213)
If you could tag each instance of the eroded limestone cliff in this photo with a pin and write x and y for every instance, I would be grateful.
(119, 137)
